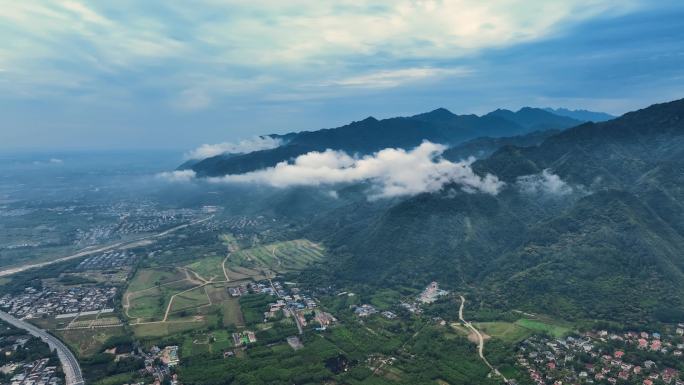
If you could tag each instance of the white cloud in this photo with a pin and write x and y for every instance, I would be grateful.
(392, 171)
(394, 78)
(543, 183)
(241, 42)
(56, 161)
(177, 176)
(244, 146)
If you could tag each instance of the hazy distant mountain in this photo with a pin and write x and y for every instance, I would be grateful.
(601, 238)
(583, 115)
(371, 135)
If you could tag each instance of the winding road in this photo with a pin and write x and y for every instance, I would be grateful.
(72, 370)
(480, 343)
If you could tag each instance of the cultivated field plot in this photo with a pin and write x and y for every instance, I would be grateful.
(151, 303)
(190, 299)
(147, 278)
(230, 306)
(281, 256)
(209, 268)
(161, 329)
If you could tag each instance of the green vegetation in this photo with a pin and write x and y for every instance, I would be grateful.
(281, 256)
(147, 278)
(190, 299)
(506, 331)
(554, 329)
(208, 268)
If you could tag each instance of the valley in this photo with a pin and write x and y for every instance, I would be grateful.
(538, 281)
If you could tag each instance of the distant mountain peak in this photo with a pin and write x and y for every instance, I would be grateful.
(584, 115)
(436, 114)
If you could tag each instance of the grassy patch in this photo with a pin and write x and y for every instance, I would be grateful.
(147, 278)
(87, 342)
(505, 331)
(190, 300)
(208, 267)
(555, 329)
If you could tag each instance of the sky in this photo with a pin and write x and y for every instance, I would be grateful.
(125, 74)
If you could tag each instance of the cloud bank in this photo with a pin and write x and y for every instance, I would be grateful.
(248, 145)
(543, 183)
(392, 172)
(177, 176)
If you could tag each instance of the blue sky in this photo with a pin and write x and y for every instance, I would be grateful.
(132, 74)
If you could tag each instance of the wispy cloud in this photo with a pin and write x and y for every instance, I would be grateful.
(177, 176)
(394, 78)
(544, 183)
(244, 146)
(243, 41)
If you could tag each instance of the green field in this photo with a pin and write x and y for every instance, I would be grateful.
(208, 268)
(230, 307)
(280, 256)
(147, 278)
(505, 331)
(190, 300)
(87, 342)
(162, 329)
(151, 303)
(555, 329)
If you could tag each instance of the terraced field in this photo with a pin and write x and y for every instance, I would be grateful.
(280, 256)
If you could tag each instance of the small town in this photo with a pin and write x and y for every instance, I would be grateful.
(33, 303)
(26, 360)
(602, 357)
(37, 372)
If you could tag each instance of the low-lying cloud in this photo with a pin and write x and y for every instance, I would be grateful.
(177, 176)
(244, 146)
(543, 183)
(392, 171)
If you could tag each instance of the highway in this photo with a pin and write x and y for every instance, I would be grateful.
(72, 370)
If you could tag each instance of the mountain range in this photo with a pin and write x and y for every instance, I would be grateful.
(589, 224)
(370, 135)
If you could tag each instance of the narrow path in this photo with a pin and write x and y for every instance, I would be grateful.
(127, 297)
(223, 266)
(168, 307)
(480, 344)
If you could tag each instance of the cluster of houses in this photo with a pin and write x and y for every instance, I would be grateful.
(601, 357)
(431, 293)
(33, 373)
(364, 310)
(244, 338)
(131, 218)
(107, 260)
(33, 303)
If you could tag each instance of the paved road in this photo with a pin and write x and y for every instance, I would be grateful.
(83, 253)
(70, 365)
(480, 343)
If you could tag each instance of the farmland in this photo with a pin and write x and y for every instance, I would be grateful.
(280, 256)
